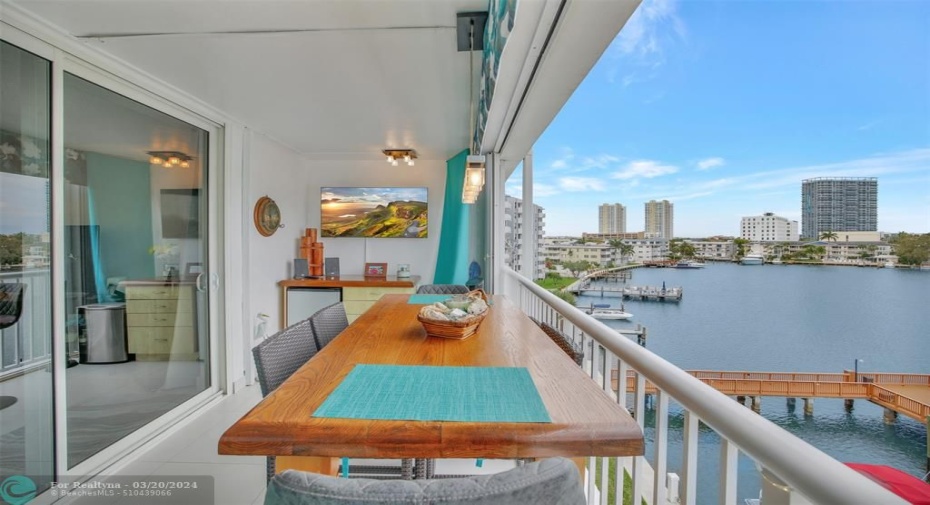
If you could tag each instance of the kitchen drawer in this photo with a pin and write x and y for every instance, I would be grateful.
(179, 319)
(371, 293)
(158, 306)
(159, 292)
(161, 340)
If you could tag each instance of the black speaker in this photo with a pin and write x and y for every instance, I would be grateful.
(301, 270)
(331, 267)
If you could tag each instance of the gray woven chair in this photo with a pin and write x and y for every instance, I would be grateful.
(551, 481)
(327, 323)
(442, 289)
(278, 357)
(571, 348)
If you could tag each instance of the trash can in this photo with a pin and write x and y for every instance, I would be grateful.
(105, 333)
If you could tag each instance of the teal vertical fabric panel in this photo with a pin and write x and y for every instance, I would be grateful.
(122, 206)
(452, 263)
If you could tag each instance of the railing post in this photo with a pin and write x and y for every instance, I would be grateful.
(639, 462)
(660, 445)
(689, 459)
(728, 458)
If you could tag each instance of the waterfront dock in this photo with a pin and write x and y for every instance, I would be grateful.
(660, 293)
(907, 394)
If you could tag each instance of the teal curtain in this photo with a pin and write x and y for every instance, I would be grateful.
(452, 263)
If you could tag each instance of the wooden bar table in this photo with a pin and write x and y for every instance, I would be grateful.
(585, 421)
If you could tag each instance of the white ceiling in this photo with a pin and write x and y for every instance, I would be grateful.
(335, 79)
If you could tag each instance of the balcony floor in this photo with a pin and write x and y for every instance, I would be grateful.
(238, 480)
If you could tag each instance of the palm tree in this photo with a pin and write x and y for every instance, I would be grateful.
(829, 235)
(626, 250)
(740, 244)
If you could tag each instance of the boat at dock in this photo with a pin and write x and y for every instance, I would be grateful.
(607, 313)
(752, 259)
(689, 264)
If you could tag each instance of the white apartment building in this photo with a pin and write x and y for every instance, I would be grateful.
(611, 218)
(648, 249)
(713, 248)
(599, 254)
(768, 228)
(660, 219)
(513, 236)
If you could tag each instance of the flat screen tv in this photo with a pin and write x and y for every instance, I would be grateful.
(374, 212)
(180, 213)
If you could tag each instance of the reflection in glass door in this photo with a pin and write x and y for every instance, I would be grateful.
(26, 400)
(135, 248)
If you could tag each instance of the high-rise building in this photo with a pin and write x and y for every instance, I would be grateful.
(660, 218)
(611, 218)
(837, 204)
(768, 228)
(513, 236)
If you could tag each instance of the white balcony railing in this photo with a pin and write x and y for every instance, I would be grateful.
(27, 343)
(794, 472)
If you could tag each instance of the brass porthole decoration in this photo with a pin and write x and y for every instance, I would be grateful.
(267, 216)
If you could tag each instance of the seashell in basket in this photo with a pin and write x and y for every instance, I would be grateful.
(459, 323)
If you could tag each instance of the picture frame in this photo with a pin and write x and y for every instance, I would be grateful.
(375, 269)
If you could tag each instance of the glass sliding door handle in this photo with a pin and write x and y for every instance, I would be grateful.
(214, 282)
(198, 284)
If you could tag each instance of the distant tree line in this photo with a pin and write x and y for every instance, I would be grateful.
(911, 248)
(11, 249)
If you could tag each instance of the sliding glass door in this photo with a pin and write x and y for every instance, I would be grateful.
(135, 275)
(27, 448)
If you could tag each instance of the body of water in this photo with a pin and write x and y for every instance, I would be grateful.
(793, 318)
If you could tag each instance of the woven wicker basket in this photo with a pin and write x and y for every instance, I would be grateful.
(458, 330)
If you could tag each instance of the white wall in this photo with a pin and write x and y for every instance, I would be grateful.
(353, 253)
(279, 173)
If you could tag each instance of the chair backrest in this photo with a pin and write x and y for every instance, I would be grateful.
(551, 481)
(571, 348)
(281, 354)
(11, 303)
(442, 289)
(327, 323)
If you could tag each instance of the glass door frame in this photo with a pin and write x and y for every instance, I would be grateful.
(62, 61)
(212, 182)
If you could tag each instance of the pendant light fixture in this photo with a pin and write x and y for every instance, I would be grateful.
(474, 163)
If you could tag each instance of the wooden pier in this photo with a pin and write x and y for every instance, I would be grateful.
(907, 394)
(898, 393)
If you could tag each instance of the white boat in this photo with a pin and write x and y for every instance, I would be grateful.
(777, 261)
(689, 264)
(889, 265)
(752, 259)
(602, 313)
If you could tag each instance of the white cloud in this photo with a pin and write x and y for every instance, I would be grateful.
(581, 184)
(544, 189)
(646, 169)
(642, 42)
(708, 163)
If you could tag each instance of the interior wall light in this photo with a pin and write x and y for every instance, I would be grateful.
(408, 155)
(169, 159)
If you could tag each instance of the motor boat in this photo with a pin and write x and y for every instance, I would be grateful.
(599, 311)
(752, 259)
(689, 264)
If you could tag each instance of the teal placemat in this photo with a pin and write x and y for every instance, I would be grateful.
(436, 393)
(427, 299)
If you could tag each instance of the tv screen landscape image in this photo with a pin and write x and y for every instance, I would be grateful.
(374, 212)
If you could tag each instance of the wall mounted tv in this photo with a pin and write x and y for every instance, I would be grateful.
(180, 213)
(374, 212)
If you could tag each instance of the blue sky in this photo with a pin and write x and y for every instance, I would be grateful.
(724, 107)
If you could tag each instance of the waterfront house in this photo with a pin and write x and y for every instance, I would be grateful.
(191, 142)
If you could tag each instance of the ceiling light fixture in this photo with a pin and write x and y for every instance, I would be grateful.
(408, 155)
(169, 159)
(474, 163)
